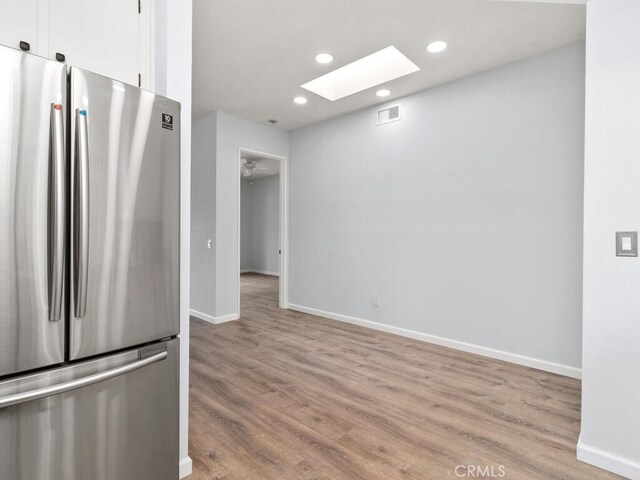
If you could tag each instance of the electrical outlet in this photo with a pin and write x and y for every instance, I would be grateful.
(209, 244)
(376, 300)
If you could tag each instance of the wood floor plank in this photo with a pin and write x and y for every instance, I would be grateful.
(284, 395)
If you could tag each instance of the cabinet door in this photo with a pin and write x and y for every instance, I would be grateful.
(97, 35)
(19, 23)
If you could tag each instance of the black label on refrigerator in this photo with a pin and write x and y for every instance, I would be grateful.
(167, 121)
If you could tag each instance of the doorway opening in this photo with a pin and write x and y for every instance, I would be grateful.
(262, 230)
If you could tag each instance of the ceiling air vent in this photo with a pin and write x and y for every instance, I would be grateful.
(387, 115)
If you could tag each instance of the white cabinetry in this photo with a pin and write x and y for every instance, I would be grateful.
(109, 37)
(19, 23)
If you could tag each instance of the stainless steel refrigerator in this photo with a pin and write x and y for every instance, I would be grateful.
(89, 275)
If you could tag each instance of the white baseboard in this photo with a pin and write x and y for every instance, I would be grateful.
(608, 461)
(544, 365)
(262, 272)
(227, 318)
(214, 320)
(186, 467)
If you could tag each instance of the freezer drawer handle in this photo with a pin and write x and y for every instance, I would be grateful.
(80, 382)
(57, 212)
(81, 214)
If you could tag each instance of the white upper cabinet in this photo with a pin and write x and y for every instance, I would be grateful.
(102, 36)
(109, 37)
(19, 23)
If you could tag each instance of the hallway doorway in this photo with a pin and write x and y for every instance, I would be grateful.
(262, 223)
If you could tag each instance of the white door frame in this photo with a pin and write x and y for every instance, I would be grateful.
(283, 301)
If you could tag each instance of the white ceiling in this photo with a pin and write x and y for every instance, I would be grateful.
(251, 56)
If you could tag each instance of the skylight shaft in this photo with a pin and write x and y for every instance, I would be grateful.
(375, 69)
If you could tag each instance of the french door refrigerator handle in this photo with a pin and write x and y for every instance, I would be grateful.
(81, 214)
(51, 390)
(57, 212)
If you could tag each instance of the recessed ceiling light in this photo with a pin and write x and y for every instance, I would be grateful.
(300, 100)
(375, 69)
(324, 58)
(383, 92)
(437, 46)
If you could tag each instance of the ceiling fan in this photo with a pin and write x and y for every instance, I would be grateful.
(248, 166)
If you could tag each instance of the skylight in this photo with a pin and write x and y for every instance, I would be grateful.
(375, 69)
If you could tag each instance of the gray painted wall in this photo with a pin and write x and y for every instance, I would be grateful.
(217, 140)
(234, 133)
(610, 435)
(465, 217)
(245, 227)
(203, 215)
(260, 225)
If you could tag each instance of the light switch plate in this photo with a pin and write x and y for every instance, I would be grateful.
(626, 244)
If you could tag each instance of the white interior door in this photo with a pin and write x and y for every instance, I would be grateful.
(97, 35)
(19, 23)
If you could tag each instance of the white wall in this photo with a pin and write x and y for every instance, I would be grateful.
(173, 79)
(231, 133)
(245, 227)
(203, 215)
(465, 217)
(260, 229)
(611, 347)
